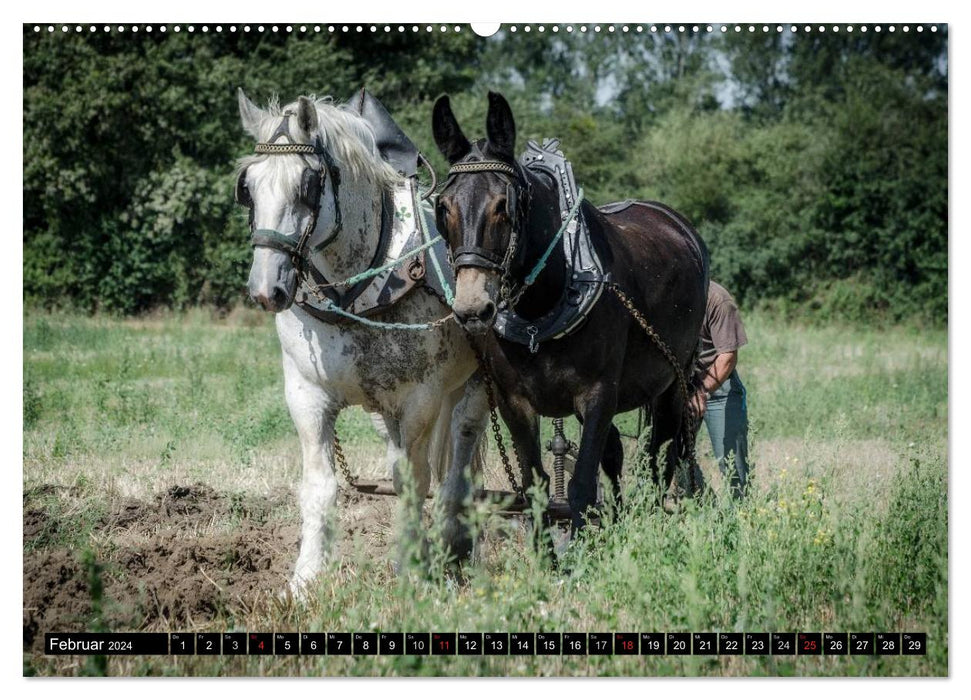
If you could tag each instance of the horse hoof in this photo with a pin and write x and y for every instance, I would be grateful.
(302, 582)
(460, 550)
(458, 542)
(296, 591)
(671, 505)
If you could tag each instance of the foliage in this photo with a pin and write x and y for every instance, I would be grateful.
(845, 527)
(814, 164)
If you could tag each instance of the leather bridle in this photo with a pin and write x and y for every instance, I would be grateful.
(312, 187)
(470, 253)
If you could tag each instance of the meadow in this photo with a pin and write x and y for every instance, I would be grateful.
(159, 466)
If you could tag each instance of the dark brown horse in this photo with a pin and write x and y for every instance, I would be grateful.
(499, 218)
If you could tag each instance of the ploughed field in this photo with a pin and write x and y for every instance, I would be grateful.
(159, 479)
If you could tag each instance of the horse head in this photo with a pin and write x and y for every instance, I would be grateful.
(480, 210)
(312, 187)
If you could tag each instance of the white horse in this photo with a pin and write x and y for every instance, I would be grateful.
(318, 196)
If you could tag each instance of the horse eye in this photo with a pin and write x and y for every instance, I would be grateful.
(500, 210)
(242, 195)
(310, 187)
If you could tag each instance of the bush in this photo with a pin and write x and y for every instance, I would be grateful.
(815, 169)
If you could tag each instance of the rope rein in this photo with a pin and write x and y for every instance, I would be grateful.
(541, 263)
(375, 271)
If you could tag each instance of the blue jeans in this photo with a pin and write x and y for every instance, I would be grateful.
(726, 419)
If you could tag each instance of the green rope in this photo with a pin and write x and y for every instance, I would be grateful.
(446, 287)
(375, 271)
(329, 306)
(541, 263)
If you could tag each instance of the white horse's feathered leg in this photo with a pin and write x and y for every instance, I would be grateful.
(417, 425)
(314, 414)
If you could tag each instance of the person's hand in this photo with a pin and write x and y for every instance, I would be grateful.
(699, 402)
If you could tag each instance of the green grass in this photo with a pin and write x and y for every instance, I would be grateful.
(844, 529)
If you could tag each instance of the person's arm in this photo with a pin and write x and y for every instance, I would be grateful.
(720, 370)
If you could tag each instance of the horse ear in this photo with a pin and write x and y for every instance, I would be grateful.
(500, 126)
(307, 115)
(448, 134)
(250, 114)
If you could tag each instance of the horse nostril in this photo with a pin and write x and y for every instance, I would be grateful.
(488, 312)
(279, 297)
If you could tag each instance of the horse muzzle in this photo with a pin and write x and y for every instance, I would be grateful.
(474, 307)
(274, 296)
(478, 321)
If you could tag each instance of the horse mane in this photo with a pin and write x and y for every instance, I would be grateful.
(346, 135)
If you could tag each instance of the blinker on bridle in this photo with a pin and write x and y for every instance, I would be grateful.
(311, 190)
(470, 255)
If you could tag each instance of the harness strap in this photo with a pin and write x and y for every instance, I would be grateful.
(325, 291)
(476, 256)
(482, 166)
(541, 263)
(285, 149)
(271, 238)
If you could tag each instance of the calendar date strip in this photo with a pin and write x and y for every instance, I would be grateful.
(485, 643)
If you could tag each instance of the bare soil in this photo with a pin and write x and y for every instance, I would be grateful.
(187, 557)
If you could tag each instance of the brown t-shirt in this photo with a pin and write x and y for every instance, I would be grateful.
(722, 330)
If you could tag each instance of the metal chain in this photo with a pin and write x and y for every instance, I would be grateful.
(342, 460)
(687, 418)
(496, 432)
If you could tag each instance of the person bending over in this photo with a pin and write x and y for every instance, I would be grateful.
(721, 397)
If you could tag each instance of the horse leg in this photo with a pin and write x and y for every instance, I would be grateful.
(469, 419)
(396, 457)
(420, 409)
(523, 424)
(314, 413)
(598, 414)
(387, 429)
(613, 459)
